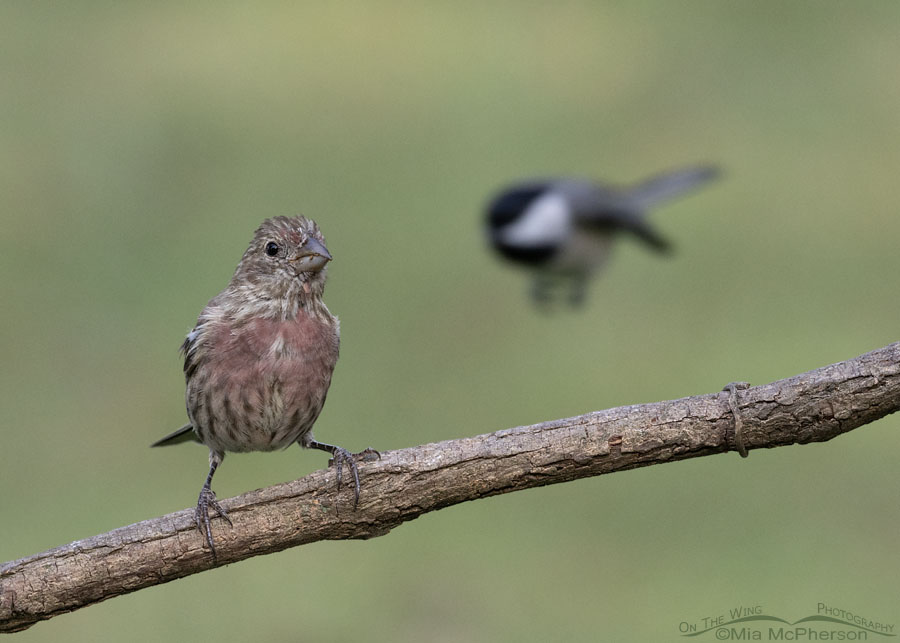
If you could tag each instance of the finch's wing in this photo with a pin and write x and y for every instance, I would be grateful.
(184, 434)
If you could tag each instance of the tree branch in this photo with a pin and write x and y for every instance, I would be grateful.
(402, 485)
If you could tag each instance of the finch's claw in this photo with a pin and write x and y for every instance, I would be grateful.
(342, 455)
(366, 454)
(339, 456)
(206, 500)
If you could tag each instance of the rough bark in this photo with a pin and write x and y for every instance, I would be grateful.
(402, 485)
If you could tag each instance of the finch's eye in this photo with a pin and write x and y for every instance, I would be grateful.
(271, 248)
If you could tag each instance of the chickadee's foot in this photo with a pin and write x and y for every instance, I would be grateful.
(578, 292)
(206, 500)
(733, 388)
(542, 293)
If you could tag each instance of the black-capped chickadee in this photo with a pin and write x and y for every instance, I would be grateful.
(563, 228)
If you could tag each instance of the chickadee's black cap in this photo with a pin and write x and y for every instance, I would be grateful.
(508, 205)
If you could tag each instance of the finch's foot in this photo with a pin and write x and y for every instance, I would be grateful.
(206, 500)
(339, 457)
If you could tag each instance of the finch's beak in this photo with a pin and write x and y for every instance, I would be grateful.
(312, 256)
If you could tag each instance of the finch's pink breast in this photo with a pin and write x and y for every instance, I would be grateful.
(267, 381)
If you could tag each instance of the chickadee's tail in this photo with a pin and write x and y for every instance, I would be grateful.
(660, 188)
(184, 434)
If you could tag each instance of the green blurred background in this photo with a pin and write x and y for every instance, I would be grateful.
(141, 144)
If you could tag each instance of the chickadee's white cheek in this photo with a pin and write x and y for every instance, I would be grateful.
(547, 221)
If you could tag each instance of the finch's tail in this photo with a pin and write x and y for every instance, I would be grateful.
(660, 188)
(184, 434)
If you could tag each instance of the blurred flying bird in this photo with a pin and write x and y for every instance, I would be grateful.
(563, 228)
(258, 363)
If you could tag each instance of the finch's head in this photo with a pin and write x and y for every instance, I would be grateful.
(286, 258)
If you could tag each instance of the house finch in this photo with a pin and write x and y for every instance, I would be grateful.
(258, 363)
(563, 228)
